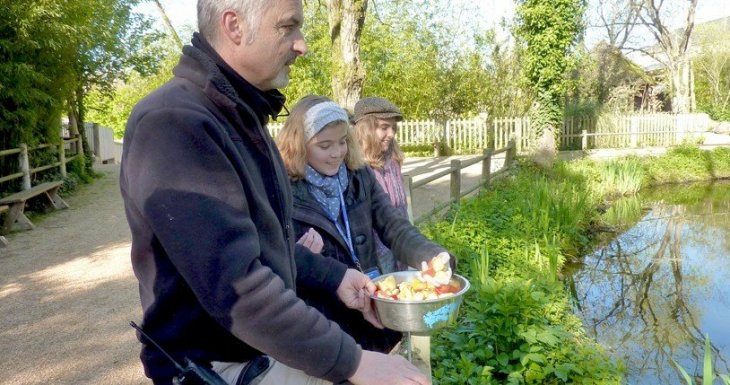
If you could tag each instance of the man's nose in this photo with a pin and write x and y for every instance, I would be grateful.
(300, 46)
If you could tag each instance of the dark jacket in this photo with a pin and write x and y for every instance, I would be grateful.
(368, 208)
(209, 206)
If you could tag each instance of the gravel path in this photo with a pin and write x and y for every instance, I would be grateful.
(67, 290)
(67, 294)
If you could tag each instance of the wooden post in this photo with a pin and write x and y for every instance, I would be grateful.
(408, 183)
(681, 129)
(80, 145)
(25, 166)
(584, 140)
(62, 158)
(634, 132)
(447, 136)
(421, 345)
(455, 180)
(487, 166)
(511, 152)
(97, 140)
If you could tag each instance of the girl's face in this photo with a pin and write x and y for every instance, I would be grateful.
(385, 132)
(327, 150)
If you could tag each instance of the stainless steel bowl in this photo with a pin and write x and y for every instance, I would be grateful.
(420, 317)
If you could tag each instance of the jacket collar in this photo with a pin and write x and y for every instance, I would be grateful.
(216, 72)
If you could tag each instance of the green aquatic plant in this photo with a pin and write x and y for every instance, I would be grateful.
(624, 212)
(708, 375)
(620, 177)
(480, 266)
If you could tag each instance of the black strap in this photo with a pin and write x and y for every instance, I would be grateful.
(253, 369)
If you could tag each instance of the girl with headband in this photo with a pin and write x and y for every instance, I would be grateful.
(337, 196)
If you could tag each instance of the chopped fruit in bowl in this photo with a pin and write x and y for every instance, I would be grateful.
(437, 271)
(413, 289)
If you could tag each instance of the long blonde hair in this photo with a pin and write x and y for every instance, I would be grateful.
(370, 143)
(293, 146)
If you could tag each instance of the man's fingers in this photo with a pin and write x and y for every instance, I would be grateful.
(372, 317)
(371, 288)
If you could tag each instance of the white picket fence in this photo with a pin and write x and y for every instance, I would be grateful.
(461, 135)
(609, 131)
(470, 135)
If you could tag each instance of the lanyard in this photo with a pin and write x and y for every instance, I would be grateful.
(346, 234)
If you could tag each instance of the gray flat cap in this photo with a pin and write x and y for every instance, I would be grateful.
(378, 107)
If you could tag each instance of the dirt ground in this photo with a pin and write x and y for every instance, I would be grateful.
(67, 294)
(67, 290)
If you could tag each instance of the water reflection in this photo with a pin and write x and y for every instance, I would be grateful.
(653, 292)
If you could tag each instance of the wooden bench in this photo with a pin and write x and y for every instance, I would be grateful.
(3, 241)
(15, 219)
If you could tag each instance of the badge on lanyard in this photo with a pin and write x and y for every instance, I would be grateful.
(372, 273)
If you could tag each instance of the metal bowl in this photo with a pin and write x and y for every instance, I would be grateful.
(419, 316)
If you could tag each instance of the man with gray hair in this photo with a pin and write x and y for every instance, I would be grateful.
(209, 206)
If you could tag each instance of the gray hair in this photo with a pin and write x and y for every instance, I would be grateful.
(210, 11)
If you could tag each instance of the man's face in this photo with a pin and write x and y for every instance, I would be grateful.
(279, 41)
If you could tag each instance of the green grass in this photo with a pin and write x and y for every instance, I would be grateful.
(516, 325)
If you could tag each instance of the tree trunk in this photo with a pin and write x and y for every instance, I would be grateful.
(545, 129)
(681, 92)
(545, 152)
(674, 52)
(346, 20)
(168, 24)
(78, 112)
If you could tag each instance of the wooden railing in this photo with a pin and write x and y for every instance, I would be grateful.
(454, 171)
(25, 171)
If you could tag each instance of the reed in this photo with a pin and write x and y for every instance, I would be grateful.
(624, 212)
(708, 375)
(480, 265)
(620, 178)
(556, 207)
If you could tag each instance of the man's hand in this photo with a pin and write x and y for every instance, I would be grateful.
(355, 291)
(378, 368)
(312, 240)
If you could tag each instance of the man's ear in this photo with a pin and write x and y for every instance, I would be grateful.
(232, 27)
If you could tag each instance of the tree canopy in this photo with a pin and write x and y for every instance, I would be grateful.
(53, 53)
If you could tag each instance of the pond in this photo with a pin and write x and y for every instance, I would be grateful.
(654, 291)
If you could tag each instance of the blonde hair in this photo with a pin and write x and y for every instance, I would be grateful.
(293, 146)
(370, 143)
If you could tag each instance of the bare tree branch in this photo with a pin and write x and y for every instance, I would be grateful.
(168, 24)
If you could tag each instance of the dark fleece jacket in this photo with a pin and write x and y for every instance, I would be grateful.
(209, 206)
(368, 209)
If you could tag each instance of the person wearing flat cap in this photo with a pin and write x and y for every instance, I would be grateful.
(337, 196)
(376, 122)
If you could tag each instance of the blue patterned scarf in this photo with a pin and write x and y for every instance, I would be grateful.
(325, 191)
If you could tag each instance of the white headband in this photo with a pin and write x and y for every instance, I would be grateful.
(321, 115)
